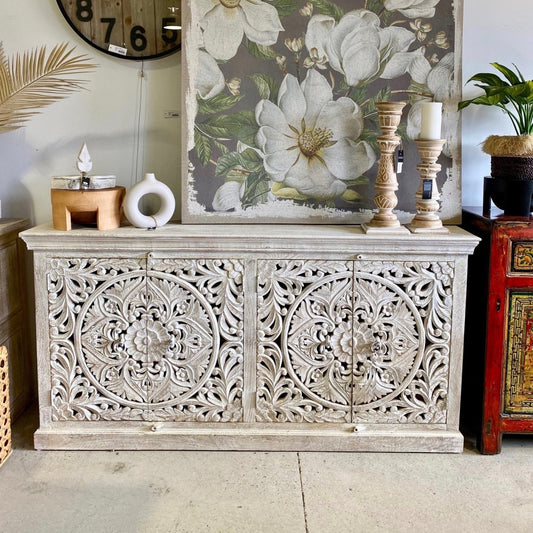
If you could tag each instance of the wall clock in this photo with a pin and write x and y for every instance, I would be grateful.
(130, 29)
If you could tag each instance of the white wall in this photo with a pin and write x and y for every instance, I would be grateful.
(494, 31)
(120, 116)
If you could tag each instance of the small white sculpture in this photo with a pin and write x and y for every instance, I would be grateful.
(149, 185)
(85, 163)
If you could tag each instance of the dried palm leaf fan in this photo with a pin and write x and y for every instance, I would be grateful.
(36, 79)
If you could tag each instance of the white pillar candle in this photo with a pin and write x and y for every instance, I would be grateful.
(430, 124)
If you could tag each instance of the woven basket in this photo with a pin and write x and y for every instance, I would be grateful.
(5, 418)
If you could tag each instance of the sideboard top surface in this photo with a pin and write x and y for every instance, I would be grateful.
(230, 238)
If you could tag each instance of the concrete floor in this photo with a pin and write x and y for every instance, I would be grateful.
(174, 492)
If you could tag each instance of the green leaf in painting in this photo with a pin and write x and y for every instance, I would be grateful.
(383, 95)
(376, 6)
(401, 131)
(220, 102)
(325, 7)
(284, 7)
(360, 180)
(236, 175)
(248, 160)
(227, 162)
(202, 147)
(241, 126)
(267, 86)
(370, 137)
(416, 91)
(257, 189)
(261, 52)
(359, 95)
(211, 129)
(251, 160)
(222, 147)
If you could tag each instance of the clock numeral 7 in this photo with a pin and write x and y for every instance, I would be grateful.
(110, 25)
(168, 36)
(84, 10)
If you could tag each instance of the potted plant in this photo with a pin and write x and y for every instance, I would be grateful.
(511, 183)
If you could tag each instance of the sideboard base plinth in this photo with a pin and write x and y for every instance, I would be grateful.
(250, 438)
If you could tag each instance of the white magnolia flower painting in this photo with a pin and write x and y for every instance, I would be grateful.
(280, 103)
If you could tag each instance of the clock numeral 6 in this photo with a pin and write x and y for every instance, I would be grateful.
(138, 39)
(168, 36)
(84, 10)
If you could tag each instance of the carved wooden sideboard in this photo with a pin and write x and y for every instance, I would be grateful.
(256, 337)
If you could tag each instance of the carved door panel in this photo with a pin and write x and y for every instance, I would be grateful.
(93, 315)
(200, 303)
(129, 343)
(353, 342)
(304, 352)
(401, 338)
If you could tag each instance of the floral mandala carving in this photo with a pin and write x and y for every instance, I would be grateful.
(151, 346)
(132, 341)
(373, 338)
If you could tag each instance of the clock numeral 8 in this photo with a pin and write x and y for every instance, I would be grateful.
(84, 10)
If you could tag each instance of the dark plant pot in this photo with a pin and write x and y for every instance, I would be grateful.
(514, 196)
(512, 167)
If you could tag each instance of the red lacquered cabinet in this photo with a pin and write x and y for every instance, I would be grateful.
(499, 328)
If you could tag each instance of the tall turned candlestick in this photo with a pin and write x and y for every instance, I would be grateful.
(427, 196)
(385, 221)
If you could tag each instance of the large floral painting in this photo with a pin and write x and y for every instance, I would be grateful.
(280, 95)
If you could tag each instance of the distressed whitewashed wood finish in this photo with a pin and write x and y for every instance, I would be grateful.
(350, 342)
(131, 342)
(224, 337)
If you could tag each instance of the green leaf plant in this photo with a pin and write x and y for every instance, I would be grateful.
(511, 92)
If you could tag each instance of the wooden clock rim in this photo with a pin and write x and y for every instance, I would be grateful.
(177, 48)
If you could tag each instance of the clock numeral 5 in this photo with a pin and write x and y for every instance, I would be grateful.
(168, 36)
(84, 10)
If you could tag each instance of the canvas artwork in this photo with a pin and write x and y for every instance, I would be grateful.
(280, 105)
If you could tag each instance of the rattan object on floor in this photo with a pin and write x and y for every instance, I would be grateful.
(5, 418)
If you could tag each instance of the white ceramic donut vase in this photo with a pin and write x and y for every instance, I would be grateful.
(149, 185)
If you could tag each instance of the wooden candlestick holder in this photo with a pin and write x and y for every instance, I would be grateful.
(385, 221)
(427, 196)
